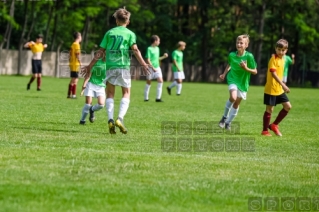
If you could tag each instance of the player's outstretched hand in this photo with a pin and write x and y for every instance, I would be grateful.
(222, 77)
(146, 69)
(286, 89)
(85, 71)
(82, 91)
(165, 55)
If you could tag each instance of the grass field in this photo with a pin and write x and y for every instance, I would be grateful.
(48, 162)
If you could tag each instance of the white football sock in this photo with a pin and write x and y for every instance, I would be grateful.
(173, 85)
(179, 88)
(109, 105)
(232, 114)
(85, 111)
(125, 102)
(146, 91)
(97, 107)
(227, 108)
(159, 90)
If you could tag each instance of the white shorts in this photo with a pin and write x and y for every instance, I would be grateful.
(284, 79)
(240, 94)
(94, 90)
(179, 75)
(120, 77)
(155, 74)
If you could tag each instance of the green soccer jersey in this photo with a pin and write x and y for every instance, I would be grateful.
(117, 42)
(152, 53)
(288, 62)
(237, 75)
(177, 55)
(98, 73)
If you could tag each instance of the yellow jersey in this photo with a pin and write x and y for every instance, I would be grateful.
(73, 60)
(36, 47)
(272, 87)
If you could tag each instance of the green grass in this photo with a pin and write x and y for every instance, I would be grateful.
(48, 162)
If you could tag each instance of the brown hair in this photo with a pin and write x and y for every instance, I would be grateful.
(122, 15)
(154, 38)
(76, 35)
(244, 36)
(39, 36)
(181, 43)
(282, 43)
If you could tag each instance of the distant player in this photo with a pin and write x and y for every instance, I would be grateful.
(242, 65)
(37, 48)
(116, 45)
(153, 58)
(178, 68)
(275, 90)
(288, 61)
(74, 64)
(94, 86)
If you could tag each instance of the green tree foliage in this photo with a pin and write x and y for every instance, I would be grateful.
(209, 27)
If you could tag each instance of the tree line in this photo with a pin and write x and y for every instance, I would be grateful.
(209, 27)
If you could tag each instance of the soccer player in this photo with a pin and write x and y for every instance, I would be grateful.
(94, 86)
(288, 61)
(74, 64)
(242, 65)
(178, 68)
(153, 58)
(116, 46)
(275, 90)
(37, 48)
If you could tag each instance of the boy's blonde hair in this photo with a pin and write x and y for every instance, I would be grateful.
(122, 15)
(181, 43)
(244, 36)
(282, 43)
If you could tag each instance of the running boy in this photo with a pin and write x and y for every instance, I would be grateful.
(116, 46)
(37, 48)
(153, 58)
(94, 86)
(178, 68)
(242, 65)
(75, 64)
(275, 90)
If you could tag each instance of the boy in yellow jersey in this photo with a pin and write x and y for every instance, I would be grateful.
(153, 58)
(275, 90)
(178, 68)
(37, 48)
(75, 64)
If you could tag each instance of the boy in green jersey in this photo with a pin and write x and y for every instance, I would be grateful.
(153, 58)
(178, 68)
(94, 86)
(242, 64)
(288, 61)
(116, 46)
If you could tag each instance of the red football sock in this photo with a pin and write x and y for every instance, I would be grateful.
(282, 114)
(266, 121)
(32, 79)
(74, 89)
(39, 82)
(69, 91)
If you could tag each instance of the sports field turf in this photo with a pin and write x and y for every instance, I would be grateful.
(48, 162)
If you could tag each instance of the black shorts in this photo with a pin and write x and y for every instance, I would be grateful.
(274, 100)
(36, 67)
(74, 74)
